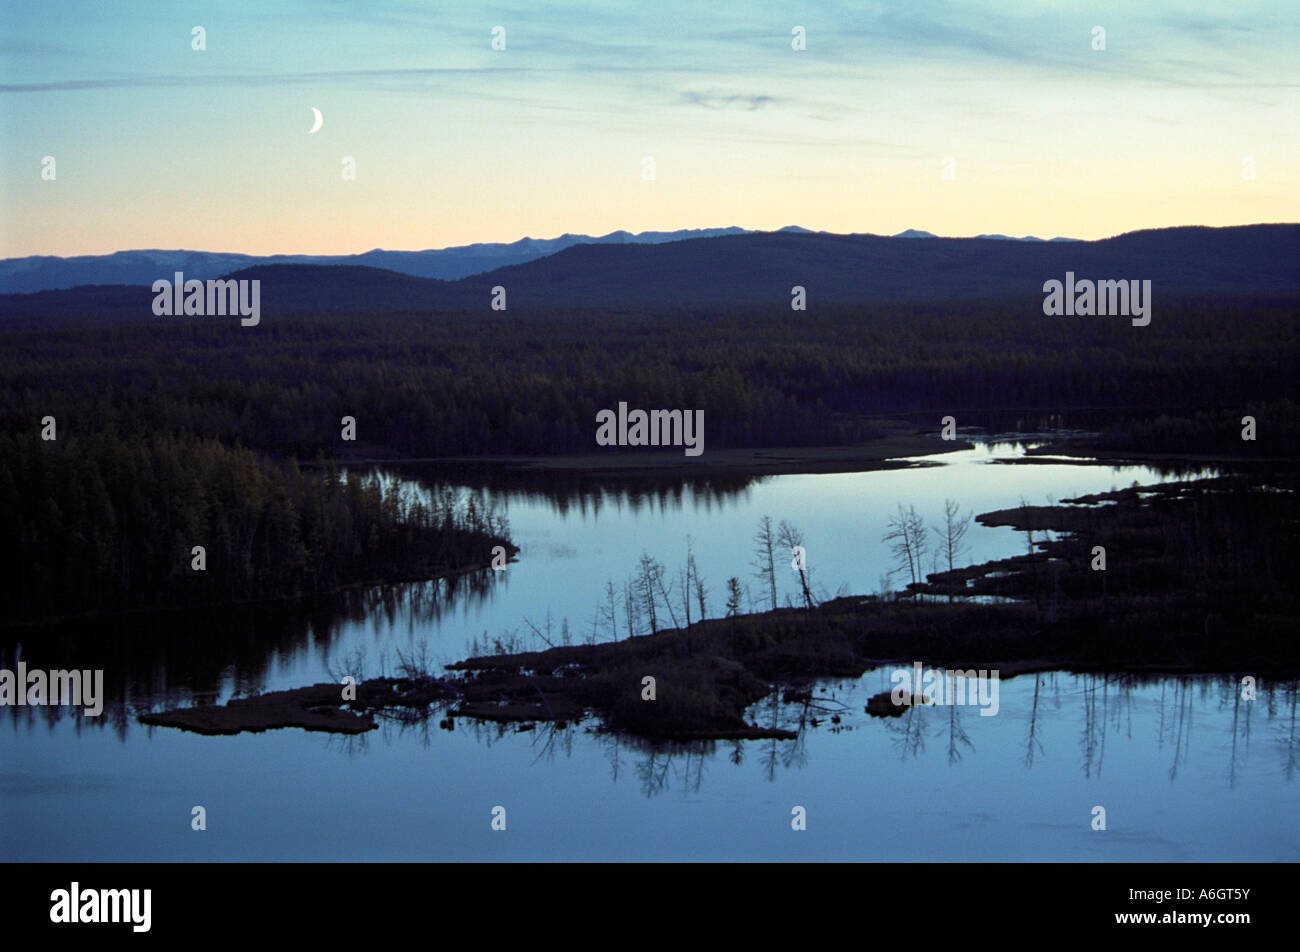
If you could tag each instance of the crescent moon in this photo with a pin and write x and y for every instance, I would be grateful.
(318, 120)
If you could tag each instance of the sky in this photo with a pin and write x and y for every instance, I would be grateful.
(955, 118)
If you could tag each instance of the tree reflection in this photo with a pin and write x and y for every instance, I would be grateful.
(1158, 712)
(179, 659)
(1033, 745)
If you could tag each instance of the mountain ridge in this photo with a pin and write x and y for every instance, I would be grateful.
(762, 269)
(33, 273)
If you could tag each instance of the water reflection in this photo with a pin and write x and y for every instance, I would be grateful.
(1123, 705)
(171, 660)
(584, 494)
(1155, 712)
(1160, 714)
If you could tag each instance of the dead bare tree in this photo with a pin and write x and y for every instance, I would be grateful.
(664, 592)
(538, 632)
(765, 556)
(791, 538)
(906, 535)
(646, 587)
(919, 540)
(649, 585)
(684, 591)
(684, 581)
(609, 610)
(632, 606)
(952, 534)
(700, 590)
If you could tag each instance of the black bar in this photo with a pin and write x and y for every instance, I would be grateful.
(908, 903)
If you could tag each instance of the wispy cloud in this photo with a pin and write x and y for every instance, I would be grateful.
(722, 101)
(351, 76)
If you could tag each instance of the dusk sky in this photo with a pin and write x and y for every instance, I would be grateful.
(157, 145)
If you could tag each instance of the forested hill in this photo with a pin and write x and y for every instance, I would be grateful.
(761, 270)
(847, 269)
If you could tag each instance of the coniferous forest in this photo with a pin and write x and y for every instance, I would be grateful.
(117, 519)
(484, 382)
(184, 433)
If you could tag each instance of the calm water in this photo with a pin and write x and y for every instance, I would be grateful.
(1184, 769)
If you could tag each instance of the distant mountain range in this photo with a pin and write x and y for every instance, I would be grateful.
(46, 273)
(754, 268)
(913, 233)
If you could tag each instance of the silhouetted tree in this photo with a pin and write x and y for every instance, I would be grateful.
(765, 556)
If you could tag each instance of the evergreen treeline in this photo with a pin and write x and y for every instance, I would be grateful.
(1209, 431)
(100, 521)
(486, 382)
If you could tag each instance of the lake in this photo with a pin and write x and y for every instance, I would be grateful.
(1185, 768)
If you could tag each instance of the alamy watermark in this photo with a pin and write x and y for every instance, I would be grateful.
(40, 688)
(919, 685)
(214, 297)
(655, 428)
(75, 905)
(1102, 298)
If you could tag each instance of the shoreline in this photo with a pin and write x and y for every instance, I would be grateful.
(906, 448)
(897, 448)
(126, 614)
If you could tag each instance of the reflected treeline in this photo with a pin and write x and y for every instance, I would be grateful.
(1102, 706)
(584, 493)
(1274, 709)
(1105, 704)
(662, 766)
(1109, 709)
(1097, 706)
(173, 659)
